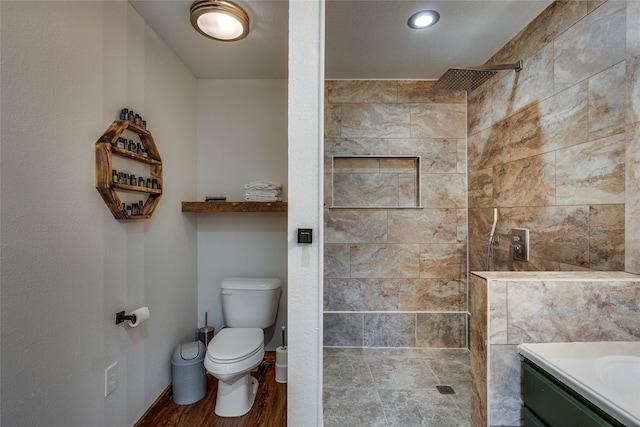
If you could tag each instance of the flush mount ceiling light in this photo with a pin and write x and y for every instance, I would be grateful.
(219, 20)
(423, 19)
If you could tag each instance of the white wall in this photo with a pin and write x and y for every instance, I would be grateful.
(306, 83)
(242, 137)
(67, 265)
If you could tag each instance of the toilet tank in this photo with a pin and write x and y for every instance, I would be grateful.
(250, 302)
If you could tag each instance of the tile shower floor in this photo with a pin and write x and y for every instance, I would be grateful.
(395, 387)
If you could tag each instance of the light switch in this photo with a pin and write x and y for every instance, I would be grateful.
(305, 235)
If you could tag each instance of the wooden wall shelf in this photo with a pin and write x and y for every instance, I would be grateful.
(106, 148)
(213, 207)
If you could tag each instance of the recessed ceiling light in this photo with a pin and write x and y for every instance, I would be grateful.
(220, 20)
(423, 19)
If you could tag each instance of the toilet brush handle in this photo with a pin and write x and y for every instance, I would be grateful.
(284, 341)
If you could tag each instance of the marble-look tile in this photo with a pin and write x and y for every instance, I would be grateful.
(365, 190)
(444, 190)
(355, 226)
(385, 261)
(398, 165)
(461, 151)
(332, 114)
(432, 295)
(343, 352)
(633, 62)
(479, 112)
(602, 31)
(377, 120)
(346, 371)
(557, 122)
(337, 260)
(354, 146)
(606, 237)
(462, 225)
(480, 193)
(351, 407)
(344, 165)
(408, 186)
(477, 257)
(607, 101)
(364, 294)
(517, 90)
(422, 91)
(438, 121)
(441, 330)
(452, 369)
(592, 172)
(478, 349)
(420, 408)
(480, 222)
(632, 205)
(375, 355)
(552, 22)
(443, 261)
(561, 232)
(505, 407)
(554, 311)
(422, 226)
(389, 330)
(532, 84)
(360, 91)
(594, 4)
(497, 327)
(407, 373)
(525, 182)
(487, 148)
(437, 155)
(343, 329)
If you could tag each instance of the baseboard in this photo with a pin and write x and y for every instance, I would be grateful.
(164, 398)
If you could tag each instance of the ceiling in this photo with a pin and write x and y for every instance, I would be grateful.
(365, 39)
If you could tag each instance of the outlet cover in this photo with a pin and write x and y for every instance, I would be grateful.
(110, 379)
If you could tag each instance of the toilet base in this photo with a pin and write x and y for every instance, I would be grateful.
(235, 400)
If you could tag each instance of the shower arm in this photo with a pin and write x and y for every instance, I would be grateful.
(498, 67)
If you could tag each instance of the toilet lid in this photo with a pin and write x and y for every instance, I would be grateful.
(232, 344)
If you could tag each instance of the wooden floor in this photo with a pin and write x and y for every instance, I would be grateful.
(269, 409)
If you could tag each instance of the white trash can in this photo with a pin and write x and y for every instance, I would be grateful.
(189, 376)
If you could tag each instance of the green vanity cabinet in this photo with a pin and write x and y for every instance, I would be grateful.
(549, 402)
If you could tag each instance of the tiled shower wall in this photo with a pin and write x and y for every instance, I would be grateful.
(397, 277)
(556, 147)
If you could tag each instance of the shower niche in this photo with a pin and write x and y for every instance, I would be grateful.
(375, 182)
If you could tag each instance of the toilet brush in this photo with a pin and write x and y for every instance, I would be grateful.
(205, 334)
(281, 359)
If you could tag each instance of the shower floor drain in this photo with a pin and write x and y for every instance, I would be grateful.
(445, 389)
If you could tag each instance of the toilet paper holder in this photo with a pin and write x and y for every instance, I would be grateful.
(121, 317)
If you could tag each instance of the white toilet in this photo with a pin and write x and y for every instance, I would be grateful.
(248, 306)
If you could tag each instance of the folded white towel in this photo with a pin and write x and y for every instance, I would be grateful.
(262, 199)
(262, 193)
(262, 185)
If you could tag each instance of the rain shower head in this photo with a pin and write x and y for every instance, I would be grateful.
(470, 78)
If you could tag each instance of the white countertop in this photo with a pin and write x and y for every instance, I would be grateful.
(605, 373)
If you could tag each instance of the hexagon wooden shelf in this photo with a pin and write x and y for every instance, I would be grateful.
(106, 148)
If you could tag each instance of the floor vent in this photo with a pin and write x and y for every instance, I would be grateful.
(445, 389)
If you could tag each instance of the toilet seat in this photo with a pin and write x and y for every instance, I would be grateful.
(233, 345)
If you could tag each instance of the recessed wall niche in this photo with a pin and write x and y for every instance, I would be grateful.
(375, 182)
